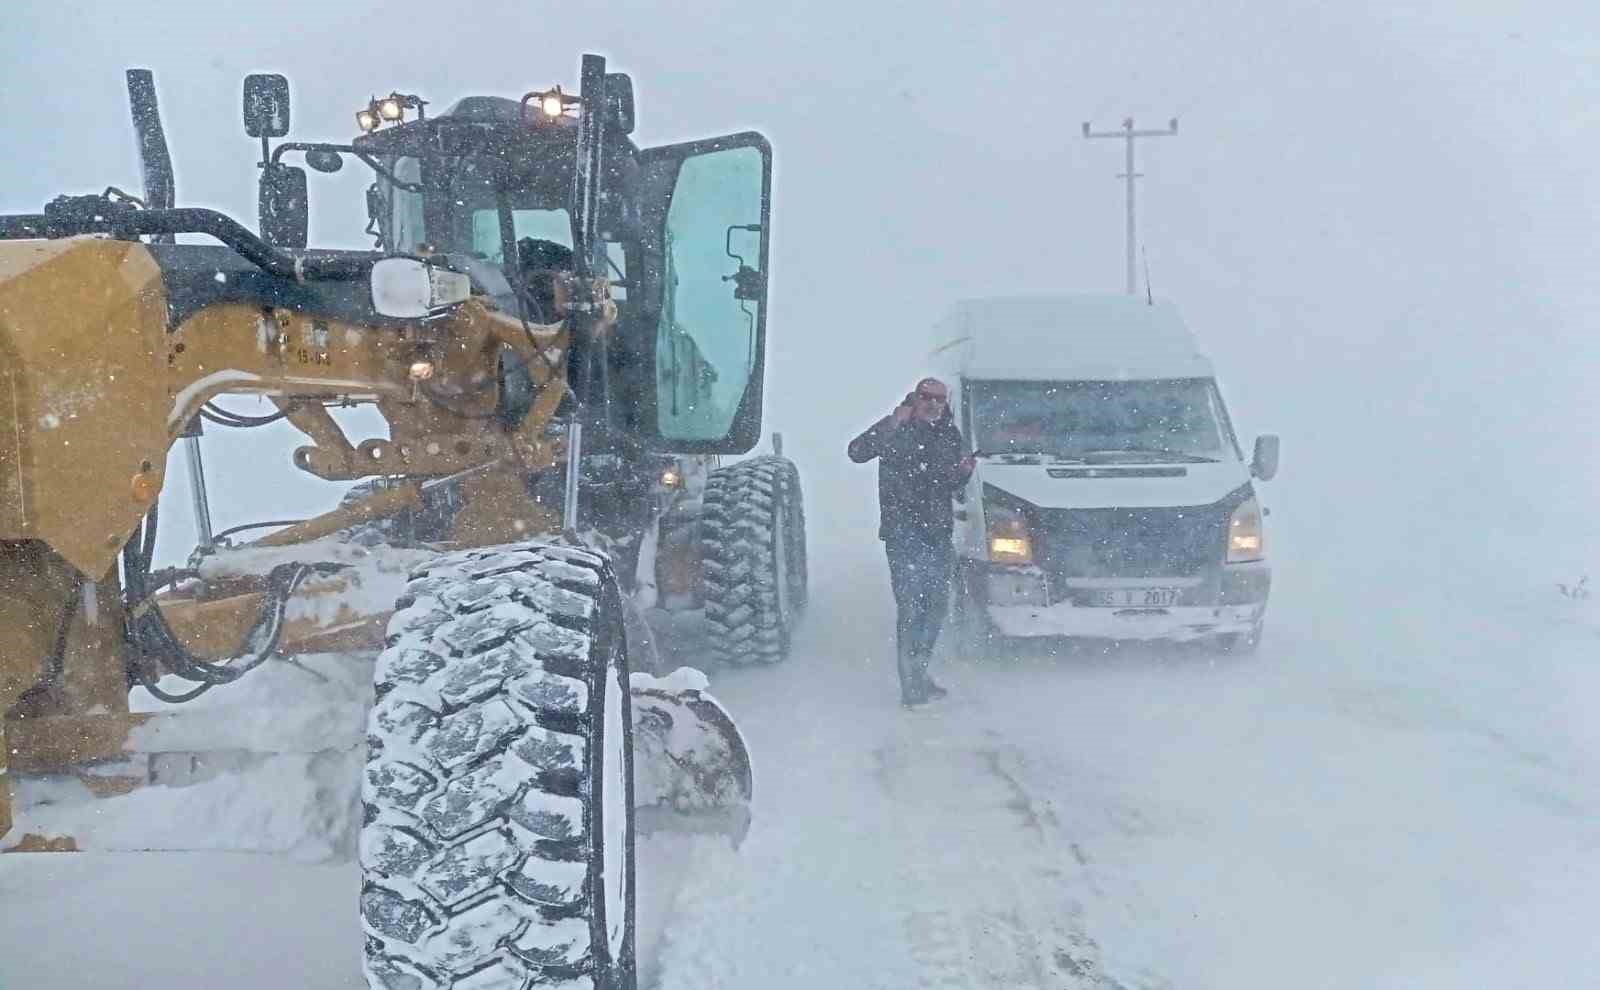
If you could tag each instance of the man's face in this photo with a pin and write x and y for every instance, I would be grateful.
(929, 401)
(551, 292)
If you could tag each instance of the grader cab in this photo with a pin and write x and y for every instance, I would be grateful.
(564, 333)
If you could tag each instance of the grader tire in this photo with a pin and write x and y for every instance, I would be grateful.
(753, 559)
(497, 843)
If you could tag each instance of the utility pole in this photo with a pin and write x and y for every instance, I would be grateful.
(1129, 135)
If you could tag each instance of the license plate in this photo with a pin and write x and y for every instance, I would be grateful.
(1131, 597)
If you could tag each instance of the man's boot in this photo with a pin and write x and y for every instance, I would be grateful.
(912, 689)
(930, 690)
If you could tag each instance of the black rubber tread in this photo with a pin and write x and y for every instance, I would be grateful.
(739, 559)
(799, 563)
(482, 832)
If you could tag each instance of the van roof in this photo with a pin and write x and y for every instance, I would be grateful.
(1078, 336)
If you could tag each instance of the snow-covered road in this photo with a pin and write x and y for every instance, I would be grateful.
(1402, 807)
(1409, 804)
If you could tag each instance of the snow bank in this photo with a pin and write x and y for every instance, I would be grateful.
(277, 756)
(299, 805)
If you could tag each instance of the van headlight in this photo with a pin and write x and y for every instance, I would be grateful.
(1008, 534)
(1246, 541)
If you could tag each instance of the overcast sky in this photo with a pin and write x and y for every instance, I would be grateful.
(1379, 218)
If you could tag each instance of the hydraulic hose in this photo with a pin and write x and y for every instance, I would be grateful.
(150, 635)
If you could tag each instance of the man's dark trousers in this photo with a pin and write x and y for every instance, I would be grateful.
(919, 574)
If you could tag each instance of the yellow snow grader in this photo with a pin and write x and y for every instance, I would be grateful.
(564, 333)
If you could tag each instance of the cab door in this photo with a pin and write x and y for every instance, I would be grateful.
(704, 210)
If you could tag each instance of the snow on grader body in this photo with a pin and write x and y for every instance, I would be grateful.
(549, 474)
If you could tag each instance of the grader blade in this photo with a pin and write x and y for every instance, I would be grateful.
(691, 768)
(691, 774)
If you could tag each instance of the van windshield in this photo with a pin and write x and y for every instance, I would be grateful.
(1071, 419)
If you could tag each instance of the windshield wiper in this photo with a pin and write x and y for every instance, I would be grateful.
(1161, 452)
(1010, 456)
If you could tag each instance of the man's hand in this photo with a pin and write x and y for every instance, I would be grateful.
(902, 415)
(967, 465)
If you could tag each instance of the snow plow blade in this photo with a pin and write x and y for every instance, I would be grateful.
(691, 770)
(691, 773)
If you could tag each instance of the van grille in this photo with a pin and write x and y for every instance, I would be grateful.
(1130, 543)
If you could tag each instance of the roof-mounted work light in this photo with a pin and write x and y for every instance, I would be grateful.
(551, 104)
(389, 109)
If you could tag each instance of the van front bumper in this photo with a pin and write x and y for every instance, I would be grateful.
(1222, 601)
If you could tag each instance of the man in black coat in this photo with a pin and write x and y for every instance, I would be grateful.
(920, 468)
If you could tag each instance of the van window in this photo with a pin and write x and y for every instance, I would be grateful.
(1172, 416)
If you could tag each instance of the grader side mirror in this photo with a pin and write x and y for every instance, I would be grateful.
(266, 105)
(285, 215)
(619, 96)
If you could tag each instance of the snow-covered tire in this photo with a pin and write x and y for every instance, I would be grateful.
(975, 640)
(497, 837)
(753, 559)
(799, 566)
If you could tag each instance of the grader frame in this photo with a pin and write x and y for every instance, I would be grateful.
(108, 353)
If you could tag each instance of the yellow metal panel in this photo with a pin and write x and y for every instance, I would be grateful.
(82, 323)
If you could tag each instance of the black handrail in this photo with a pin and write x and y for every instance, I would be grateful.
(70, 216)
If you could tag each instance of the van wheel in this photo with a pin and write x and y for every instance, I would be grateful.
(1241, 644)
(975, 636)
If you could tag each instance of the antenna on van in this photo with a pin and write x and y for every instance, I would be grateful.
(1149, 296)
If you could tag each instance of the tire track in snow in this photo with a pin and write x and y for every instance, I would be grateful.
(890, 849)
(993, 860)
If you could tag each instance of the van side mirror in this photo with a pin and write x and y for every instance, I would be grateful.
(266, 105)
(285, 215)
(1265, 463)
